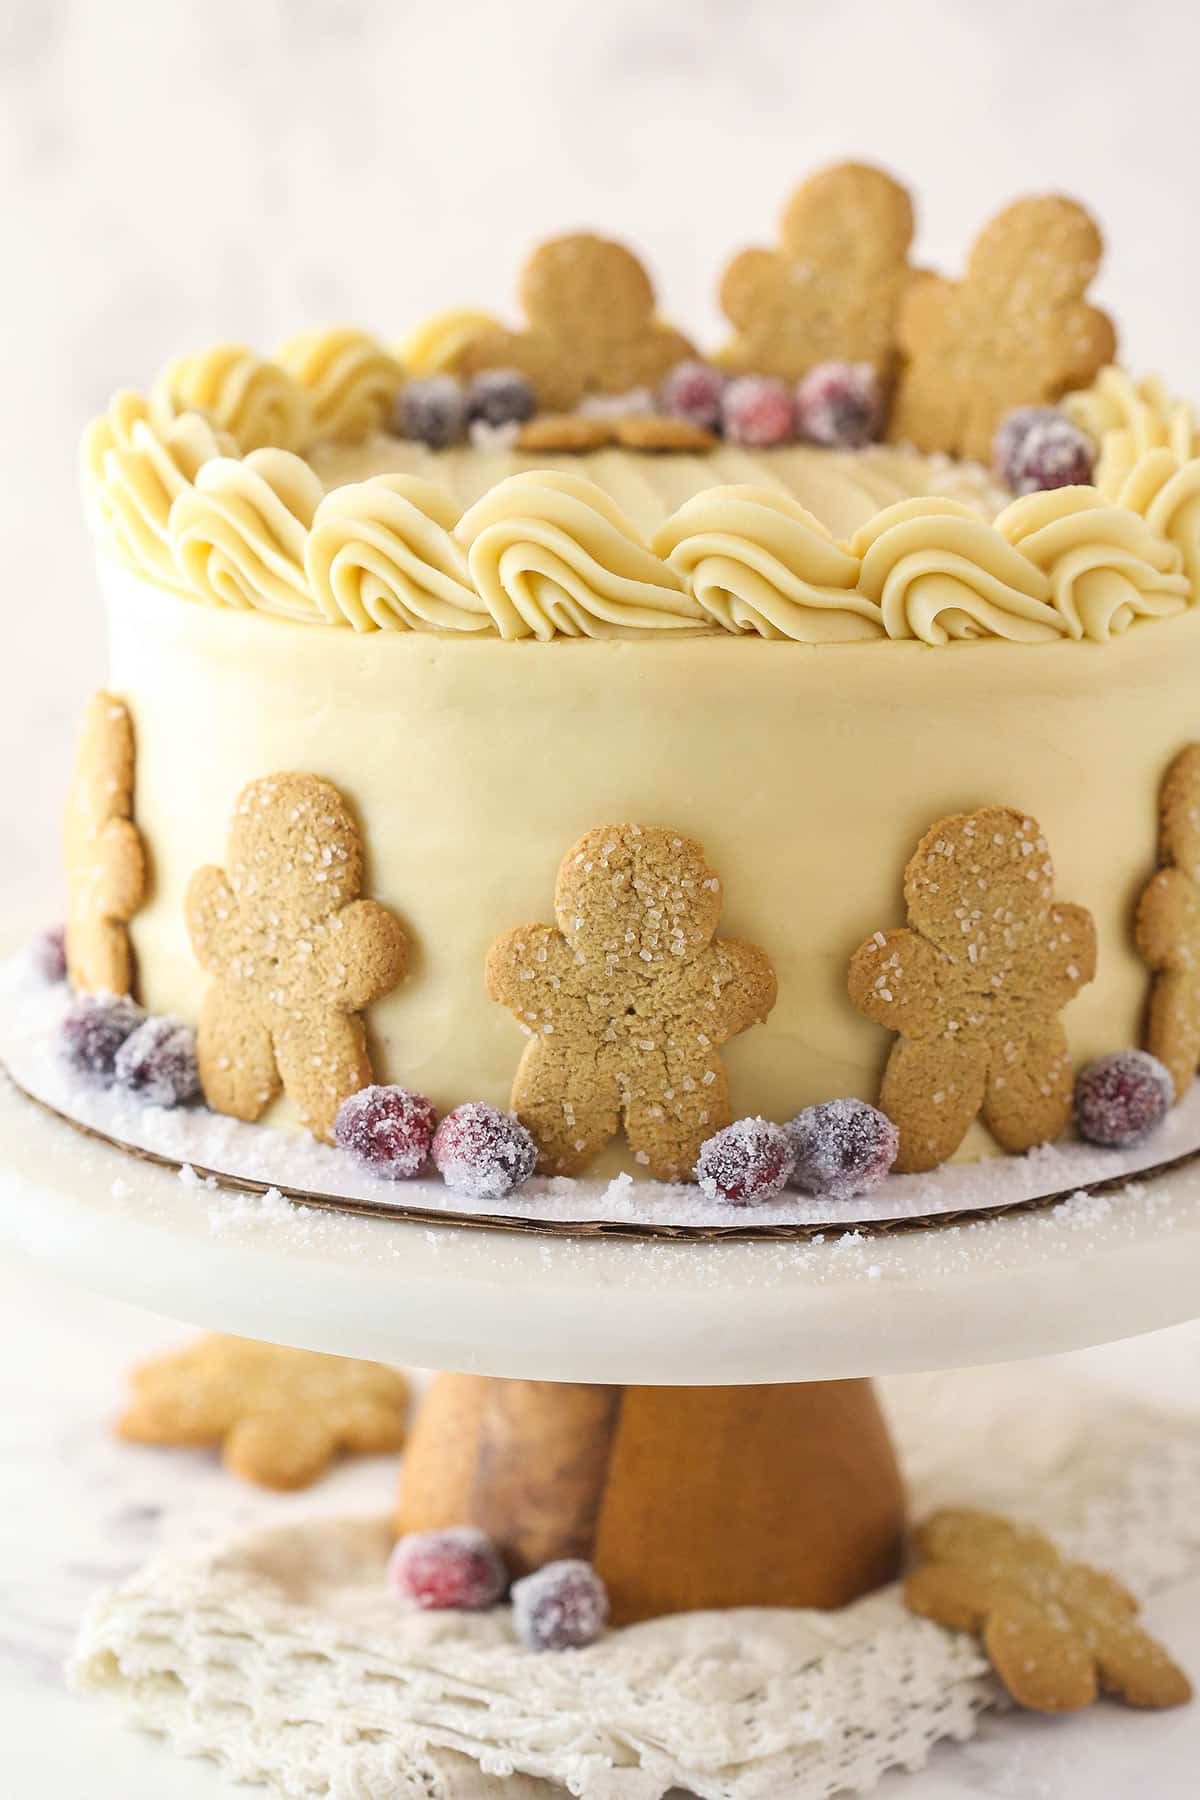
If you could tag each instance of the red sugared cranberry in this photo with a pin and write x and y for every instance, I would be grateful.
(453, 1570)
(1038, 447)
(839, 405)
(389, 1130)
(693, 391)
(758, 411)
(842, 1148)
(483, 1152)
(92, 1031)
(748, 1162)
(48, 953)
(562, 1606)
(157, 1061)
(1119, 1099)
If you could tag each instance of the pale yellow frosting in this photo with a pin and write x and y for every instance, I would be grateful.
(132, 474)
(1129, 418)
(1105, 565)
(256, 402)
(239, 533)
(381, 555)
(435, 345)
(349, 377)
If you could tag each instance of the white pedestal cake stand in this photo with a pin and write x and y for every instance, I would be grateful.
(1080, 1272)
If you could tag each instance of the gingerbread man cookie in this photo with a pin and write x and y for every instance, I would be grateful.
(1015, 331)
(628, 1001)
(295, 953)
(592, 325)
(104, 854)
(1057, 1633)
(834, 287)
(974, 987)
(1168, 925)
(279, 1415)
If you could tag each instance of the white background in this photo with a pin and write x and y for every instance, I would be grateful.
(175, 173)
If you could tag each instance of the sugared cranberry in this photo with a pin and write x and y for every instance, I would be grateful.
(158, 1062)
(92, 1031)
(457, 1569)
(48, 954)
(500, 397)
(431, 411)
(842, 1148)
(389, 1130)
(758, 411)
(483, 1152)
(693, 391)
(1119, 1099)
(839, 405)
(562, 1606)
(1038, 447)
(748, 1162)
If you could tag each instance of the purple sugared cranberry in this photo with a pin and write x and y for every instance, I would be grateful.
(157, 1062)
(758, 411)
(1119, 1099)
(562, 1606)
(693, 391)
(389, 1130)
(1038, 447)
(842, 1148)
(839, 405)
(92, 1031)
(500, 397)
(458, 1569)
(431, 411)
(748, 1162)
(483, 1152)
(48, 953)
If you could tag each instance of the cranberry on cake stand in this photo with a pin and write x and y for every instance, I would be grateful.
(694, 1411)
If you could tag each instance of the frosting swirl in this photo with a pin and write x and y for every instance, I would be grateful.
(937, 572)
(756, 560)
(349, 377)
(239, 533)
(1105, 565)
(256, 402)
(437, 345)
(380, 556)
(551, 554)
(1166, 493)
(137, 483)
(1128, 419)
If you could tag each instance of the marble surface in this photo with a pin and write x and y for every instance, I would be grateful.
(78, 1511)
(170, 175)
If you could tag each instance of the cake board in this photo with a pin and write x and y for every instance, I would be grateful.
(593, 1337)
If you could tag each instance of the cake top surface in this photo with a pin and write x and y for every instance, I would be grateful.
(584, 472)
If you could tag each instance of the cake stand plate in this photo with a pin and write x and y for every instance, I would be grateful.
(1083, 1271)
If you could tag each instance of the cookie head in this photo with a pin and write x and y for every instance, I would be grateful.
(852, 216)
(980, 885)
(1046, 247)
(293, 840)
(633, 892)
(587, 284)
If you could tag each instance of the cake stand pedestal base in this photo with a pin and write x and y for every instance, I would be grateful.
(684, 1498)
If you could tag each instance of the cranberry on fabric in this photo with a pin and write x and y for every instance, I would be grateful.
(746, 1163)
(388, 1129)
(562, 1606)
(842, 1148)
(483, 1152)
(454, 1570)
(1119, 1099)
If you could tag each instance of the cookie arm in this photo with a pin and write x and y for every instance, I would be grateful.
(210, 913)
(745, 977)
(894, 979)
(122, 870)
(1167, 930)
(364, 956)
(1072, 947)
(517, 963)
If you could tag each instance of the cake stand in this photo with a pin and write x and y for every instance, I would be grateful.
(771, 1479)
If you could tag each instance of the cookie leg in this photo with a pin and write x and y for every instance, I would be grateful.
(279, 1447)
(567, 1102)
(673, 1107)
(1173, 1025)
(237, 1063)
(931, 1091)
(1028, 1099)
(322, 1061)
